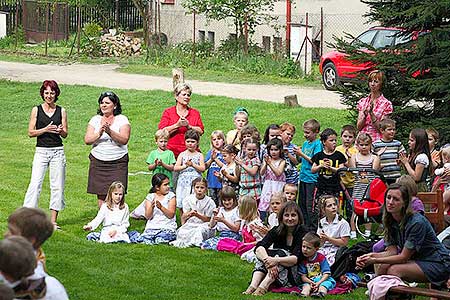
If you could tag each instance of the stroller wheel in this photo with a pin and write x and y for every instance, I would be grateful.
(376, 230)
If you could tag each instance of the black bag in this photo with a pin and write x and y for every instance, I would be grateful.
(345, 261)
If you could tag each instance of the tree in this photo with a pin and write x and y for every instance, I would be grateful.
(418, 71)
(145, 10)
(251, 12)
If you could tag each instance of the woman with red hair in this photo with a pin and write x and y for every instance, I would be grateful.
(48, 123)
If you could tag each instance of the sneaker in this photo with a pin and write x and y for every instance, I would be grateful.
(353, 235)
(368, 277)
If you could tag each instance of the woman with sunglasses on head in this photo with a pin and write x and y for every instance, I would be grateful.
(373, 108)
(108, 132)
(48, 123)
(179, 118)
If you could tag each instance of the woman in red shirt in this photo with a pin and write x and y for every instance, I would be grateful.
(179, 118)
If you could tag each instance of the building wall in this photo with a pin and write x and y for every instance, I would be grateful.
(339, 17)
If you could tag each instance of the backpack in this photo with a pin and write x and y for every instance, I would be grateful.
(346, 259)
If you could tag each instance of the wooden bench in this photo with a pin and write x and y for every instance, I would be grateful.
(406, 290)
(431, 201)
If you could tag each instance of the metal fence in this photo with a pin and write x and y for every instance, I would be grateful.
(179, 26)
(126, 15)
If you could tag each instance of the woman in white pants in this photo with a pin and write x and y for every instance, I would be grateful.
(48, 123)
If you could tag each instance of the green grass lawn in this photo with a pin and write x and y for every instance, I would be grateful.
(91, 270)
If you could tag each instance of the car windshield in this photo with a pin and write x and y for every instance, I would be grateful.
(364, 38)
(384, 38)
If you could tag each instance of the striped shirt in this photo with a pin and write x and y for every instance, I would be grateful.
(388, 159)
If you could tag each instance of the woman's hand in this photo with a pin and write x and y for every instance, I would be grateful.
(364, 260)
(270, 262)
(273, 272)
(182, 122)
(50, 128)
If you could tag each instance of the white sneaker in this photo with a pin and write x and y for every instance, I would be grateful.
(353, 235)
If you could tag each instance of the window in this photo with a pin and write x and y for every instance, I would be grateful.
(266, 43)
(211, 37)
(277, 44)
(384, 39)
(201, 36)
(365, 38)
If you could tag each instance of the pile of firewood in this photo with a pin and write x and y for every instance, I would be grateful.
(120, 45)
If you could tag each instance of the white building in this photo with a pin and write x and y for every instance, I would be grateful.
(339, 17)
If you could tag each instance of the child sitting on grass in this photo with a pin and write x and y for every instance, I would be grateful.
(250, 224)
(197, 212)
(159, 210)
(314, 269)
(114, 214)
(226, 221)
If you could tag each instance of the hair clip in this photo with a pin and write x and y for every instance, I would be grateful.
(241, 109)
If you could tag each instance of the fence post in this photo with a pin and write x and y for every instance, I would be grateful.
(16, 30)
(193, 39)
(245, 35)
(78, 27)
(117, 15)
(306, 43)
(288, 28)
(321, 31)
(47, 8)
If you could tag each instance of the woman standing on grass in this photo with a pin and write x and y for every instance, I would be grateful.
(422, 258)
(48, 123)
(179, 118)
(373, 108)
(108, 132)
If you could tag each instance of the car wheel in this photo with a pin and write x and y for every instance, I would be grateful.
(330, 77)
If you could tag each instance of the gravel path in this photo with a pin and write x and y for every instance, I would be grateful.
(107, 76)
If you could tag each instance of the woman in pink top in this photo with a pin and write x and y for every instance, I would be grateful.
(179, 118)
(373, 108)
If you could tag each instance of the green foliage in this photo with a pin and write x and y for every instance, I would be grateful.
(250, 12)
(417, 72)
(9, 41)
(92, 29)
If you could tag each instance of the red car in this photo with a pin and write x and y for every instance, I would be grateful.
(337, 69)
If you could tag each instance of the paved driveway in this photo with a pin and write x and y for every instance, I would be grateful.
(107, 76)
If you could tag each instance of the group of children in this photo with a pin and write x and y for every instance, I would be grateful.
(237, 203)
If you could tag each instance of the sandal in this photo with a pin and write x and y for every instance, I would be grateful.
(249, 290)
(259, 291)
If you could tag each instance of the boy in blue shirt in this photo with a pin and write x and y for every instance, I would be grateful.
(308, 180)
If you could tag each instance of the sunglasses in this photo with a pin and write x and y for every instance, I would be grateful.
(107, 94)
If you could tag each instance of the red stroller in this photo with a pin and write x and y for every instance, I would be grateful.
(368, 197)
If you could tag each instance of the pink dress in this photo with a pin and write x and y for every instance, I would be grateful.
(272, 184)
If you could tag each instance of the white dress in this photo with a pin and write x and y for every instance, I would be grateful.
(115, 219)
(195, 231)
(185, 178)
